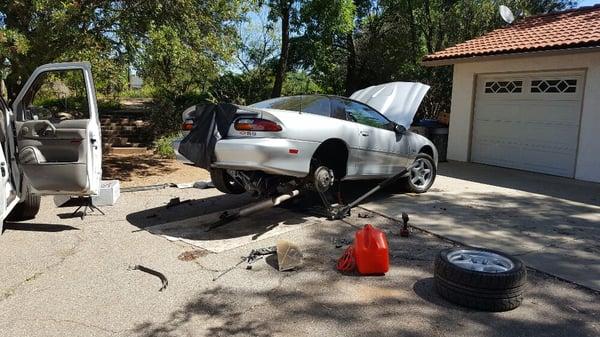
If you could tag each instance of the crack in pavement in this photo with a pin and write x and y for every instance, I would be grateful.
(62, 255)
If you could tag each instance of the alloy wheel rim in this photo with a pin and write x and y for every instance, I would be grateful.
(482, 261)
(422, 173)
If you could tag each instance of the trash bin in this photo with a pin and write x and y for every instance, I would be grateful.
(436, 132)
(439, 138)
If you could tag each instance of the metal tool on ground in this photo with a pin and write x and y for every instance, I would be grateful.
(404, 231)
(228, 216)
(88, 205)
(338, 212)
(176, 202)
(289, 256)
(255, 255)
(160, 275)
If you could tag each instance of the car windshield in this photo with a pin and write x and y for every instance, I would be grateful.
(314, 104)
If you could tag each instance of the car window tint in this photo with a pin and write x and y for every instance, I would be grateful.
(363, 114)
(293, 103)
(337, 109)
(317, 105)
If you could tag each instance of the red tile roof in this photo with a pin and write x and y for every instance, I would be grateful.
(569, 29)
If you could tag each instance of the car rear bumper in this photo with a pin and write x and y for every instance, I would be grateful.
(270, 155)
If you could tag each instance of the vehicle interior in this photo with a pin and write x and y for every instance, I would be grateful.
(52, 132)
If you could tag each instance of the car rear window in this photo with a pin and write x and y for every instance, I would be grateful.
(318, 105)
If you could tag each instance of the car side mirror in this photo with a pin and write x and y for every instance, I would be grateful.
(399, 129)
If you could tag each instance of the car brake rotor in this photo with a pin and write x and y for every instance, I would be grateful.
(323, 179)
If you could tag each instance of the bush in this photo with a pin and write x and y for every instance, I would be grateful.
(163, 146)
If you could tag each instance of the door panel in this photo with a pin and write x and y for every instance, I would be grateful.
(58, 133)
(383, 152)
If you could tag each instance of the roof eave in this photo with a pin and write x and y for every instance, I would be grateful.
(474, 58)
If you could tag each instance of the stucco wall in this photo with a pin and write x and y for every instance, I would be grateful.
(588, 159)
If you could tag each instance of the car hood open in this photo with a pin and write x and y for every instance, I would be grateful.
(398, 101)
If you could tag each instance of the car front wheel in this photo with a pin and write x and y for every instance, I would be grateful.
(422, 176)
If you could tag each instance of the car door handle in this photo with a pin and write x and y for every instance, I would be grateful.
(364, 133)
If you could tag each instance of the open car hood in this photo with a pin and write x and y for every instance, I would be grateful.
(398, 101)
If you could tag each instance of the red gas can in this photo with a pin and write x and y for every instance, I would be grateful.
(371, 251)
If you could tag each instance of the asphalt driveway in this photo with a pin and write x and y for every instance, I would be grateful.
(552, 223)
(61, 276)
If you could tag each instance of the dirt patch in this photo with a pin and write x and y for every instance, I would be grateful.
(148, 169)
(191, 255)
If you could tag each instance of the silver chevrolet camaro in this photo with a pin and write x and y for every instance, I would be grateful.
(363, 137)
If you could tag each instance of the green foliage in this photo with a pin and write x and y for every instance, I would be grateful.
(185, 49)
(298, 83)
(163, 145)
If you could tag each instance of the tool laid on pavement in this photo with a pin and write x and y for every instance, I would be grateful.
(160, 275)
(176, 202)
(255, 255)
(404, 231)
(228, 216)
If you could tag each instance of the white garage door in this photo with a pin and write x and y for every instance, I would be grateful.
(528, 121)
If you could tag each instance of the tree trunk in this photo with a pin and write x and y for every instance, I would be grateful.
(350, 65)
(285, 46)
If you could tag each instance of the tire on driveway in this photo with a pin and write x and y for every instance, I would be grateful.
(481, 279)
(27, 209)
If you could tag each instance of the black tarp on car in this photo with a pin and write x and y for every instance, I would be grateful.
(211, 123)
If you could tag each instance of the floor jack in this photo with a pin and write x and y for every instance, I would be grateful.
(339, 212)
(323, 181)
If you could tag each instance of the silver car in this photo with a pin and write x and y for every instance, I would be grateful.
(285, 140)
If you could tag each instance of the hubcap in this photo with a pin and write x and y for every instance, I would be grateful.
(478, 260)
(422, 173)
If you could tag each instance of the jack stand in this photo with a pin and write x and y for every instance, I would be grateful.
(88, 204)
(340, 212)
(226, 217)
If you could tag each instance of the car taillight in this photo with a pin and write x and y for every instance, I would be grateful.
(256, 124)
(187, 125)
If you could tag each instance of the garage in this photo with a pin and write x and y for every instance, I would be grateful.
(528, 121)
(527, 96)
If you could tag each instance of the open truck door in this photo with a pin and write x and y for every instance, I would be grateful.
(57, 141)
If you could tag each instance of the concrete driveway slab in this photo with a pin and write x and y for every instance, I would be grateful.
(552, 223)
(63, 276)
(271, 223)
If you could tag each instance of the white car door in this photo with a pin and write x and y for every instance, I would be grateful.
(383, 151)
(57, 140)
(8, 195)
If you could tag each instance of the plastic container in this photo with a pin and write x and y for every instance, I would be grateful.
(110, 190)
(371, 251)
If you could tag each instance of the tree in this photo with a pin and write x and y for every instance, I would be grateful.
(287, 12)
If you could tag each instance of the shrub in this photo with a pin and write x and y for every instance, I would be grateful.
(163, 146)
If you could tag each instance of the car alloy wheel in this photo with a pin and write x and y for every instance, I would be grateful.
(480, 278)
(422, 173)
(480, 260)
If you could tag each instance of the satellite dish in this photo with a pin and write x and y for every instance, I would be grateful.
(506, 14)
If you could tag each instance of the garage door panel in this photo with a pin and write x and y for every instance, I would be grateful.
(548, 137)
(526, 111)
(515, 156)
(527, 130)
